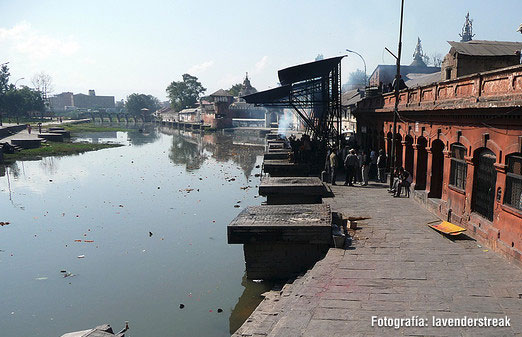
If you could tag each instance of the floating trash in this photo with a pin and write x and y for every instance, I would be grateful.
(81, 256)
(181, 306)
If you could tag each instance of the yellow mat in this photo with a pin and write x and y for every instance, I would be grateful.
(448, 228)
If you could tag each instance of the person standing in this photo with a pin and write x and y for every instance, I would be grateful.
(366, 161)
(350, 163)
(333, 166)
(381, 166)
(373, 165)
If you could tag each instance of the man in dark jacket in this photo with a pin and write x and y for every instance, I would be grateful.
(350, 164)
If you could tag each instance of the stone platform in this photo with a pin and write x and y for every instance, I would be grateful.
(292, 190)
(281, 241)
(399, 268)
(285, 168)
(277, 155)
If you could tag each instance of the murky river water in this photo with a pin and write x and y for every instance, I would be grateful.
(180, 187)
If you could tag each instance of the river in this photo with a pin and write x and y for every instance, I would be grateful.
(140, 229)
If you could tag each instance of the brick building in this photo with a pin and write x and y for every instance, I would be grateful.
(461, 138)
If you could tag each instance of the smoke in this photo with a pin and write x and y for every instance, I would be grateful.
(285, 123)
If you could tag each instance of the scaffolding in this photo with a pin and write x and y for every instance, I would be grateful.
(313, 91)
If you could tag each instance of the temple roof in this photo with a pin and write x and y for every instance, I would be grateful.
(485, 48)
(221, 93)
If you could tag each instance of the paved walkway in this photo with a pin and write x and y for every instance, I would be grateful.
(398, 268)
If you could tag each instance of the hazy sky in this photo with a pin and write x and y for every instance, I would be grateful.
(122, 47)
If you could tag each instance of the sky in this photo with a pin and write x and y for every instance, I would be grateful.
(120, 47)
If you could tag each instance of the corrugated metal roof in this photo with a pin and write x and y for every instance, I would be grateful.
(420, 80)
(308, 71)
(268, 96)
(486, 48)
(351, 97)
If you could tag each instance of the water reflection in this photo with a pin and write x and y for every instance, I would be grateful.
(192, 148)
(250, 298)
(137, 136)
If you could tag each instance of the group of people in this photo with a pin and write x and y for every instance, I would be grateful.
(359, 166)
(302, 148)
(402, 179)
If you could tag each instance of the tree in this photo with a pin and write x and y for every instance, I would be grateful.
(235, 89)
(135, 104)
(185, 93)
(4, 79)
(436, 59)
(357, 78)
(20, 102)
(43, 83)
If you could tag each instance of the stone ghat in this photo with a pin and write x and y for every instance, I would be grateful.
(285, 168)
(282, 241)
(292, 190)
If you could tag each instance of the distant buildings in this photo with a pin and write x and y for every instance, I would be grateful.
(69, 101)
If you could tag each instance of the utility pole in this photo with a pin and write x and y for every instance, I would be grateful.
(396, 109)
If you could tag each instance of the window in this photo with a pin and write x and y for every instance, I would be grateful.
(512, 196)
(459, 167)
(448, 73)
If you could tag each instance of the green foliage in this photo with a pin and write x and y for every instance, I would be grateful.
(357, 77)
(56, 149)
(4, 79)
(185, 93)
(20, 102)
(91, 127)
(136, 102)
(235, 89)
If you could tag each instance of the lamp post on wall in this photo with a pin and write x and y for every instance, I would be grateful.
(397, 87)
(362, 58)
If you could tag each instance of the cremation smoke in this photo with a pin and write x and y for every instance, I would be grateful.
(285, 123)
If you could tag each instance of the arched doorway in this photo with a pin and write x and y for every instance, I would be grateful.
(408, 160)
(422, 164)
(437, 169)
(484, 183)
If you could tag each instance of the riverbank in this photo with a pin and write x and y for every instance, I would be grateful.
(55, 149)
(93, 127)
(398, 267)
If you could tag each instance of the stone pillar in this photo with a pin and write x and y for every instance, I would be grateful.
(415, 159)
(428, 169)
(446, 174)
(470, 172)
(403, 143)
(499, 188)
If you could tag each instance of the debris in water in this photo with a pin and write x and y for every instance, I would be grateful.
(81, 256)
(237, 206)
(150, 234)
(4, 223)
(41, 278)
(220, 310)
(257, 281)
(181, 306)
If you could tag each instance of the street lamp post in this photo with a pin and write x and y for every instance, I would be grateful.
(396, 107)
(362, 58)
(21, 78)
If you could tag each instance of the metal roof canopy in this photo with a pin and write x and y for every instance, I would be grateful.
(313, 90)
(307, 71)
